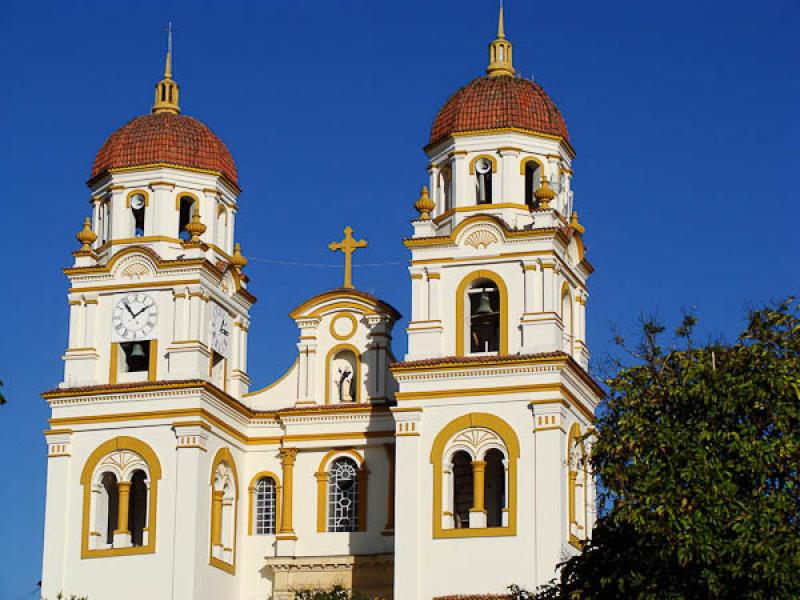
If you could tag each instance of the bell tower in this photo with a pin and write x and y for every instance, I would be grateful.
(496, 370)
(157, 288)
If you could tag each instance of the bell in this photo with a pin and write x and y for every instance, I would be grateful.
(137, 352)
(484, 306)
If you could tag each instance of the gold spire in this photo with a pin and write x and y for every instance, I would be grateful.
(167, 89)
(500, 52)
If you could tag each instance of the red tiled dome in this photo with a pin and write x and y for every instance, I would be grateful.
(499, 102)
(165, 138)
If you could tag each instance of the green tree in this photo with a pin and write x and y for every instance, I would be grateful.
(697, 454)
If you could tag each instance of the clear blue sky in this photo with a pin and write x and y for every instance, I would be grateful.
(684, 116)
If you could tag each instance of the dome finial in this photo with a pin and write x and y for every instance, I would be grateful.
(500, 32)
(166, 89)
(500, 52)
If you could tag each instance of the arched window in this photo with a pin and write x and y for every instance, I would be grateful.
(137, 202)
(221, 229)
(567, 320)
(106, 510)
(120, 481)
(578, 487)
(484, 316)
(462, 488)
(224, 495)
(186, 206)
(494, 487)
(483, 181)
(445, 185)
(474, 459)
(343, 495)
(266, 502)
(344, 375)
(533, 179)
(104, 222)
(137, 514)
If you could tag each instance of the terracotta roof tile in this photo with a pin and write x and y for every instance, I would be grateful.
(165, 138)
(483, 358)
(499, 102)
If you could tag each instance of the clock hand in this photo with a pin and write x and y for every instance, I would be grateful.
(144, 308)
(128, 308)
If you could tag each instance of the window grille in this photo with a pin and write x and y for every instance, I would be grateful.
(265, 506)
(343, 496)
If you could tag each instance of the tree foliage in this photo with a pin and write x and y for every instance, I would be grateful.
(697, 455)
(335, 593)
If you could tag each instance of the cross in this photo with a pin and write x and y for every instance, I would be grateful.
(348, 245)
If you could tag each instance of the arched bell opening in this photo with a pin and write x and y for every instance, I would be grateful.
(484, 316)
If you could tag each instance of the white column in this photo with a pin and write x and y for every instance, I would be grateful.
(60, 517)
(433, 296)
(510, 188)
(549, 276)
(302, 379)
(433, 189)
(530, 275)
(90, 312)
(460, 178)
(311, 372)
(418, 307)
(409, 549)
(191, 511)
(76, 313)
(538, 298)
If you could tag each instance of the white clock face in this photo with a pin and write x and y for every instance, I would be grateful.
(221, 324)
(134, 317)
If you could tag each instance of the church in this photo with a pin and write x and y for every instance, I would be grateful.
(455, 471)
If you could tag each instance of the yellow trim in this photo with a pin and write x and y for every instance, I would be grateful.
(152, 366)
(195, 205)
(331, 353)
(524, 163)
(251, 493)
(162, 165)
(506, 433)
(446, 240)
(461, 324)
(133, 193)
(480, 208)
(277, 381)
(322, 487)
(153, 465)
(140, 285)
(491, 131)
(224, 455)
(359, 303)
(346, 336)
(491, 159)
(288, 458)
(113, 359)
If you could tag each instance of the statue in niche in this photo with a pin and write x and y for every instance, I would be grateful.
(345, 384)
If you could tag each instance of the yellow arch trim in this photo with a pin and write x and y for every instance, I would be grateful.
(190, 195)
(224, 455)
(488, 157)
(331, 353)
(509, 437)
(153, 464)
(132, 193)
(251, 493)
(461, 323)
(322, 487)
(524, 162)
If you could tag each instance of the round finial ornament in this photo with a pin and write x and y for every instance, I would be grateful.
(544, 194)
(195, 227)
(86, 236)
(238, 260)
(424, 204)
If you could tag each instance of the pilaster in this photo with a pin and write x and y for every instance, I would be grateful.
(409, 547)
